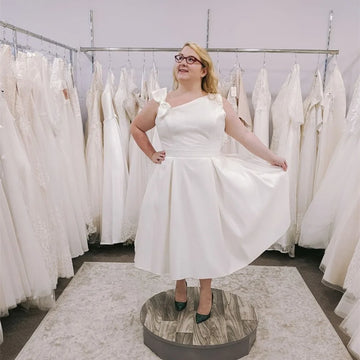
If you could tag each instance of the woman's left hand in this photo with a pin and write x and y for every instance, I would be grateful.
(279, 161)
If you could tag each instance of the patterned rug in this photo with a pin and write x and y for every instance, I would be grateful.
(97, 316)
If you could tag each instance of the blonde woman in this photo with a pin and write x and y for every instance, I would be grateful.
(204, 215)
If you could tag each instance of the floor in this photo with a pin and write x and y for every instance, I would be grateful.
(21, 323)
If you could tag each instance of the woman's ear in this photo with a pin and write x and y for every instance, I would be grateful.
(204, 72)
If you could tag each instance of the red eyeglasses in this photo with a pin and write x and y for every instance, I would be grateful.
(189, 59)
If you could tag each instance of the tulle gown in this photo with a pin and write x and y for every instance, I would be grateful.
(94, 146)
(22, 192)
(204, 214)
(115, 171)
(14, 284)
(308, 149)
(261, 99)
(287, 117)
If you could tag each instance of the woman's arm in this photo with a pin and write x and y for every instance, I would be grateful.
(239, 132)
(143, 122)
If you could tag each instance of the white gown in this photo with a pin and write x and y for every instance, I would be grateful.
(308, 148)
(22, 194)
(14, 284)
(115, 171)
(94, 146)
(287, 117)
(318, 222)
(238, 99)
(204, 214)
(332, 126)
(261, 99)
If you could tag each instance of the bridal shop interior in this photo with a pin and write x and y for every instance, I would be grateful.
(73, 77)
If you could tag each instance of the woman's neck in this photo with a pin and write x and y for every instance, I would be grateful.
(194, 88)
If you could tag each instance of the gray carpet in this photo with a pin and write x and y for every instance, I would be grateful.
(97, 316)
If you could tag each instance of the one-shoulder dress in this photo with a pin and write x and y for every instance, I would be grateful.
(205, 214)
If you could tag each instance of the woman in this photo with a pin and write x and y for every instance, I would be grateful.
(204, 215)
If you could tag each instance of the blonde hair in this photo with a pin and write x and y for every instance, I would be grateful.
(209, 83)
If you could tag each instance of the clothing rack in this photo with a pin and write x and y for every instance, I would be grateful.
(232, 50)
(15, 44)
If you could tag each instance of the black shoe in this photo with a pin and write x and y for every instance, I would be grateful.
(199, 318)
(181, 305)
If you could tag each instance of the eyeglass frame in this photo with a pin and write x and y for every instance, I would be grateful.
(187, 57)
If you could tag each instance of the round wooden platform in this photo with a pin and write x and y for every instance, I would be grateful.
(174, 335)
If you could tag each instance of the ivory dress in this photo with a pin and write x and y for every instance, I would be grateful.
(204, 214)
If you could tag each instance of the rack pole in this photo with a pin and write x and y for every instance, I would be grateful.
(37, 36)
(92, 38)
(207, 28)
(232, 50)
(331, 15)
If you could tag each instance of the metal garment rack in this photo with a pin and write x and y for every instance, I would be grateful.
(15, 44)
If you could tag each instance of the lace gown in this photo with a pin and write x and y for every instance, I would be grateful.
(332, 126)
(287, 117)
(261, 99)
(206, 215)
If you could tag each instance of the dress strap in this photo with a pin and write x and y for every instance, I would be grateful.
(159, 95)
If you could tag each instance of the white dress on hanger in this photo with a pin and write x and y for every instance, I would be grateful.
(332, 126)
(318, 222)
(78, 146)
(140, 169)
(115, 171)
(61, 124)
(261, 99)
(287, 117)
(94, 145)
(238, 100)
(191, 223)
(308, 148)
(14, 284)
(124, 123)
(22, 192)
(49, 157)
(7, 77)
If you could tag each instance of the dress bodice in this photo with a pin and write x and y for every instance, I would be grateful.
(194, 128)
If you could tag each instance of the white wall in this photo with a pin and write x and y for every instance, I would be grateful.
(233, 23)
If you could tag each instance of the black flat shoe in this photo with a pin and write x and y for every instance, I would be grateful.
(199, 318)
(181, 305)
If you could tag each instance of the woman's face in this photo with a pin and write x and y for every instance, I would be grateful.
(185, 71)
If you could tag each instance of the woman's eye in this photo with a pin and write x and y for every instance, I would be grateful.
(191, 59)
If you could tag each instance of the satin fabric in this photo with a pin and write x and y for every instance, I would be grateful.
(206, 215)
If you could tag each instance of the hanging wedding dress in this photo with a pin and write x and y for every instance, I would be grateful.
(94, 146)
(261, 99)
(140, 170)
(308, 148)
(22, 194)
(124, 123)
(189, 206)
(14, 284)
(238, 99)
(287, 117)
(115, 171)
(332, 126)
(7, 77)
(45, 139)
(318, 222)
(62, 127)
(78, 146)
(349, 305)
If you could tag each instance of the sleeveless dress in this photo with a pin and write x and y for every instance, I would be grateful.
(204, 214)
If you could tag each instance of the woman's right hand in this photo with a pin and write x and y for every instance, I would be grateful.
(158, 157)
